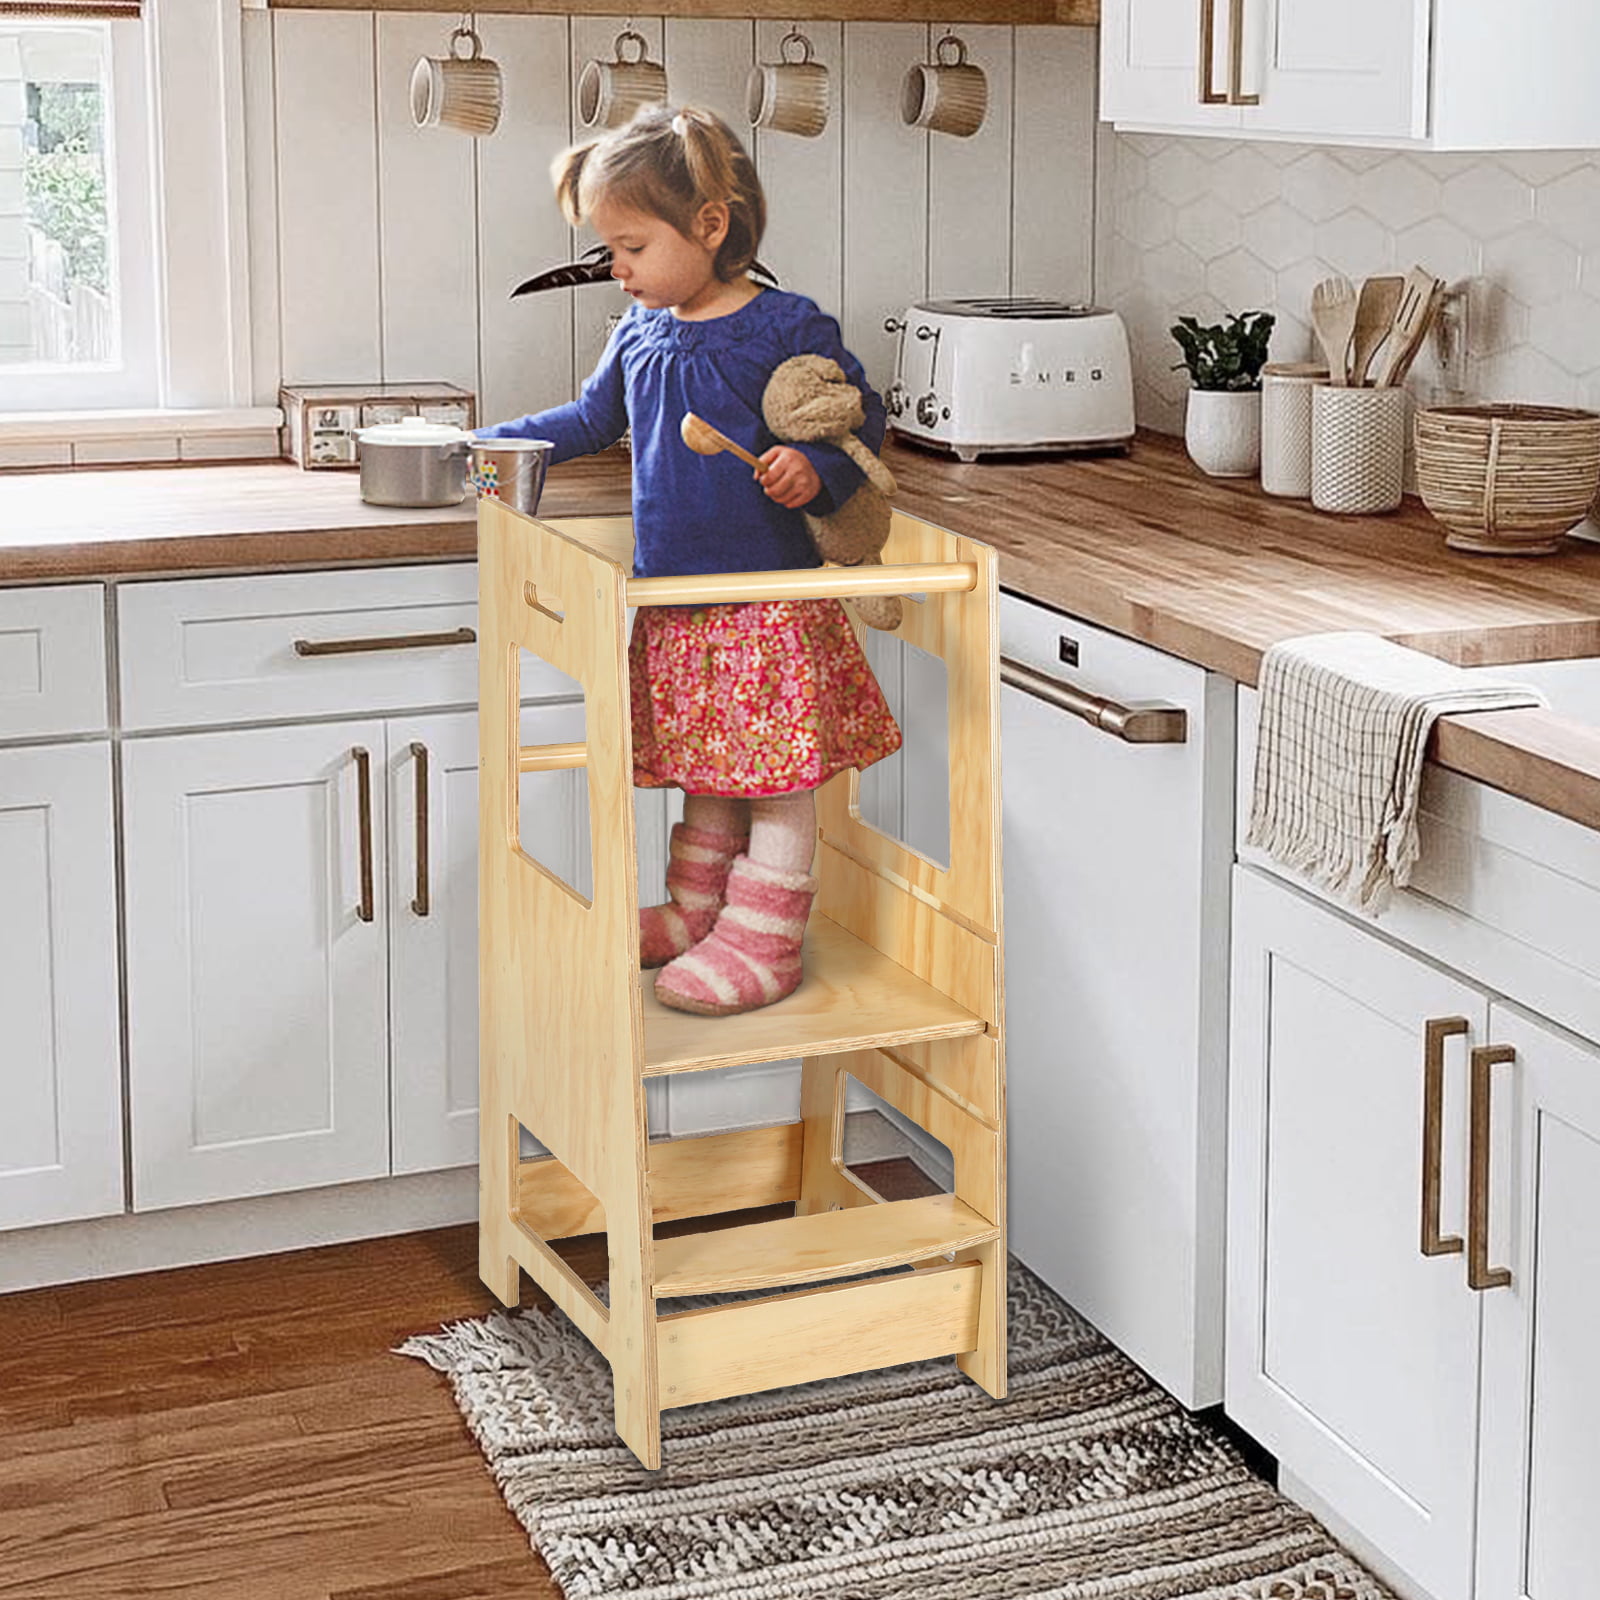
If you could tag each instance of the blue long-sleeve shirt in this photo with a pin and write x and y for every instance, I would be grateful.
(695, 513)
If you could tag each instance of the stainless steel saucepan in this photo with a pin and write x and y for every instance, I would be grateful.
(413, 462)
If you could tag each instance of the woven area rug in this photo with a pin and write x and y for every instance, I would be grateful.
(1088, 1481)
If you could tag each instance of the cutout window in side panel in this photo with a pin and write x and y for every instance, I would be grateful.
(907, 797)
(550, 1199)
(888, 1152)
(553, 806)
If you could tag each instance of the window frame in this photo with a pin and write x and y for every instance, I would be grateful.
(131, 381)
(177, 97)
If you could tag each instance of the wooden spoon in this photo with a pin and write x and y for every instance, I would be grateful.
(705, 440)
(1375, 310)
(1419, 302)
(1333, 315)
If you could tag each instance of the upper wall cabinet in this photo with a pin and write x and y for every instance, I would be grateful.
(1436, 74)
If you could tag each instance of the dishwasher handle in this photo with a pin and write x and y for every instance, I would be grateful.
(1134, 724)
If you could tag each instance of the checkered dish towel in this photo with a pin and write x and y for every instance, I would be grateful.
(1345, 719)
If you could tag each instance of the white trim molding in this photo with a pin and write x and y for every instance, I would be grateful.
(68, 427)
(32, 439)
(197, 123)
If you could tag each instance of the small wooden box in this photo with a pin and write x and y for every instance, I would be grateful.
(321, 421)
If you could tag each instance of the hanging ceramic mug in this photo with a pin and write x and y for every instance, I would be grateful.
(457, 91)
(948, 94)
(789, 96)
(609, 92)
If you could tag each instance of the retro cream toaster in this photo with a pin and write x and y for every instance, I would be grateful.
(980, 377)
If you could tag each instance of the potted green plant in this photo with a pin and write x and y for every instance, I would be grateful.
(1222, 427)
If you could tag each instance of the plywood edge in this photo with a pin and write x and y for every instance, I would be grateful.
(820, 1333)
(562, 1284)
(827, 1244)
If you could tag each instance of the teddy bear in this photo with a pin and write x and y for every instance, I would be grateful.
(809, 400)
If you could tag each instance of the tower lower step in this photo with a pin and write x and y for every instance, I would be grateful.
(828, 1244)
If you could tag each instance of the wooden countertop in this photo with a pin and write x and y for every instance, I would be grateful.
(151, 520)
(1209, 570)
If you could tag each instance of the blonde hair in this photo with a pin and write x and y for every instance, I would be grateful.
(670, 163)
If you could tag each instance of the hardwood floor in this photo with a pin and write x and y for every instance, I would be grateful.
(242, 1431)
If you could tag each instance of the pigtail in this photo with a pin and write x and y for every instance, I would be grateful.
(566, 173)
(705, 153)
(719, 169)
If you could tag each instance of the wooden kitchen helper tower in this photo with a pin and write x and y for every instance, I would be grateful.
(902, 992)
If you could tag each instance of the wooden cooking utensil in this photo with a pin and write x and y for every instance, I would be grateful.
(1375, 311)
(705, 440)
(1333, 315)
(1419, 302)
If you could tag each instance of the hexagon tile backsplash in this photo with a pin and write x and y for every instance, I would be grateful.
(1205, 226)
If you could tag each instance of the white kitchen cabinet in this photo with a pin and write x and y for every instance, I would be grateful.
(1116, 861)
(1538, 1535)
(1355, 70)
(1273, 66)
(433, 914)
(256, 960)
(60, 1063)
(52, 661)
(1151, 65)
(1438, 74)
(291, 646)
(1352, 1355)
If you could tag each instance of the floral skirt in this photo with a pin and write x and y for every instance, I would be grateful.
(752, 700)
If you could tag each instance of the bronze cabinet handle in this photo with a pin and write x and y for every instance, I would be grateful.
(1208, 44)
(1133, 724)
(1236, 94)
(393, 641)
(1480, 1275)
(363, 763)
(420, 902)
(1439, 1029)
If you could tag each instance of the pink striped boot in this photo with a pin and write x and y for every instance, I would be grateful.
(697, 873)
(752, 956)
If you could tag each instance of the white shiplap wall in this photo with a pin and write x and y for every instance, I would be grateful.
(381, 252)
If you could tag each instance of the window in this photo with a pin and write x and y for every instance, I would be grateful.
(77, 302)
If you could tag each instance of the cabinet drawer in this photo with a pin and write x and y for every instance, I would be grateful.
(52, 661)
(209, 650)
(1503, 892)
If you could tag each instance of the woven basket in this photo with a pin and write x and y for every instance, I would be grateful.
(1508, 480)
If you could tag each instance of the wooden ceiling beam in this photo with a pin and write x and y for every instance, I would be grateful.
(1075, 13)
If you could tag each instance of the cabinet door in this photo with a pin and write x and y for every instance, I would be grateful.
(1352, 1356)
(1357, 68)
(1538, 1534)
(61, 1084)
(433, 910)
(1150, 66)
(256, 929)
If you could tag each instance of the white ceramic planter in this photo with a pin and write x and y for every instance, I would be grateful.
(1222, 429)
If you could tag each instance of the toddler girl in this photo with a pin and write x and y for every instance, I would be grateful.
(747, 708)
